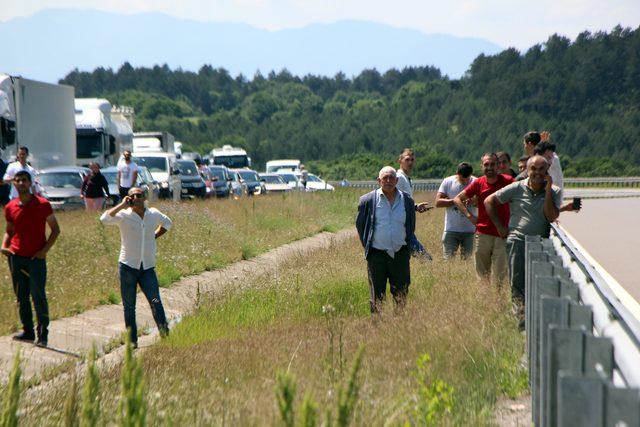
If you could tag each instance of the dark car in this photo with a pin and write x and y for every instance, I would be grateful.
(192, 182)
(221, 180)
(252, 180)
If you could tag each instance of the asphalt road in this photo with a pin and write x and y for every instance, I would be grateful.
(609, 229)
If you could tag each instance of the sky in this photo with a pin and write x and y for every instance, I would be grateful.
(516, 23)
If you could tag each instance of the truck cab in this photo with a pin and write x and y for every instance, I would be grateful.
(231, 157)
(95, 132)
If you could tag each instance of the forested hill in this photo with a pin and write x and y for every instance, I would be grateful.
(585, 91)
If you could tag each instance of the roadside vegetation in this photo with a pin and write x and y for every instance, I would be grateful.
(299, 348)
(82, 266)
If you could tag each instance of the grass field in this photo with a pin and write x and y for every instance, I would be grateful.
(82, 266)
(444, 360)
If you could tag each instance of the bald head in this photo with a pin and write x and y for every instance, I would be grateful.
(386, 171)
(539, 161)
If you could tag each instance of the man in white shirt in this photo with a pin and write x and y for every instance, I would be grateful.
(17, 166)
(458, 230)
(139, 229)
(127, 174)
(406, 160)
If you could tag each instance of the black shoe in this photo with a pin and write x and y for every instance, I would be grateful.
(42, 342)
(25, 336)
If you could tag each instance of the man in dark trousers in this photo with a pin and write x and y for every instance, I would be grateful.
(26, 245)
(386, 223)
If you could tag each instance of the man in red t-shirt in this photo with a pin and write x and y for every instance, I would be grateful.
(490, 250)
(26, 245)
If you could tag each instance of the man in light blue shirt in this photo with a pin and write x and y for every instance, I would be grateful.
(386, 223)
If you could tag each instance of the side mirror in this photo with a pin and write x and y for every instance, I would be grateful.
(112, 148)
(175, 171)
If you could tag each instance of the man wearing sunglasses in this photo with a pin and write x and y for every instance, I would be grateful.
(139, 228)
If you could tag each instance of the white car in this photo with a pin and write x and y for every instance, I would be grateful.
(314, 183)
(274, 183)
(291, 179)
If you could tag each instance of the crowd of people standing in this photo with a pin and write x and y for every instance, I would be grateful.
(486, 217)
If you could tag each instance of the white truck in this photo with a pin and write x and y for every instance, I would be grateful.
(39, 116)
(231, 157)
(153, 142)
(100, 135)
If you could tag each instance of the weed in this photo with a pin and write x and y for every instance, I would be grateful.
(133, 405)
(348, 396)
(11, 398)
(285, 396)
(71, 404)
(90, 405)
(435, 397)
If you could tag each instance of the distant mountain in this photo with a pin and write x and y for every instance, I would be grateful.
(50, 43)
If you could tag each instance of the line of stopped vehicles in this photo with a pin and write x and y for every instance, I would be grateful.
(181, 176)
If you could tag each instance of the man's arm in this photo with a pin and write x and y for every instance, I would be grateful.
(492, 211)
(164, 226)
(135, 177)
(53, 236)
(6, 240)
(109, 216)
(551, 211)
(442, 201)
(160, 231)
(461, 201)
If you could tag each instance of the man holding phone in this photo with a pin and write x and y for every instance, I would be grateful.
(534, 203)
(139, 229)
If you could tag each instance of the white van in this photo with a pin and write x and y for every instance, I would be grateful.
(292, 165)
(163, 169)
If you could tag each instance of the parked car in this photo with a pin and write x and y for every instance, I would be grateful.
(61, 186)
(274, 183)
(252, 181)
(314, 183)
(238, 187)
(151, 191)
(291, 179)
(221, 180)
(192, 182)
(163, 169)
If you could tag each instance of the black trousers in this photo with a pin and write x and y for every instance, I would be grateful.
(381, 267)
(124, 192)
(29, 279)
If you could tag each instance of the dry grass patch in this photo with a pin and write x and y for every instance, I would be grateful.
(444, 360)
(82, 266)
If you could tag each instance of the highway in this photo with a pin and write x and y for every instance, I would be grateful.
(609, 229)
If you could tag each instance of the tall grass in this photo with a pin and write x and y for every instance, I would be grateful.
(221, 364)
(11, 395)
(82, 266)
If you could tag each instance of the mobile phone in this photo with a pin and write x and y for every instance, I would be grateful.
(577, 203)
(130, 201)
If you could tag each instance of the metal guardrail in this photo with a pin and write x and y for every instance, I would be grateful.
(583, 345)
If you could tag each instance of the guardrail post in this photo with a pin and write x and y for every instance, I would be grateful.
(622, 407)
(580, 401)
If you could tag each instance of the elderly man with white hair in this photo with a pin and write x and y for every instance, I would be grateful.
(534, 203)
(386, 223)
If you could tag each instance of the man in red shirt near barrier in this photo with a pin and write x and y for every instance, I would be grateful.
(490, 248)
(26, 246)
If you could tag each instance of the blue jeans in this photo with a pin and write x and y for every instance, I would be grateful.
(148, 281)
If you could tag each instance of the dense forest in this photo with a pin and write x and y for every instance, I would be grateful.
(585, 91)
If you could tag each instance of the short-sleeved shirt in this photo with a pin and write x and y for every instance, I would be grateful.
(454, 220)
(126, 173)
(482, 189)
(404, 182)
(12, 170)
(527, 209)
(29, 222)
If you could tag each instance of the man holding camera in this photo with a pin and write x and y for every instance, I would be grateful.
(139, 229)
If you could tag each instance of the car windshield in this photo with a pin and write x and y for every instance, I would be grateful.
(60, 179)
(112, 177)
(249, 176)
(88, 146)
(145, 174)
(218, 173)
(313, 178)
(187, 167)
(154, 164)
(273, 179)
(239, 161)
(289, 177)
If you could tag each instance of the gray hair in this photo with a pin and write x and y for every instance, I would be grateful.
(385, 170)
